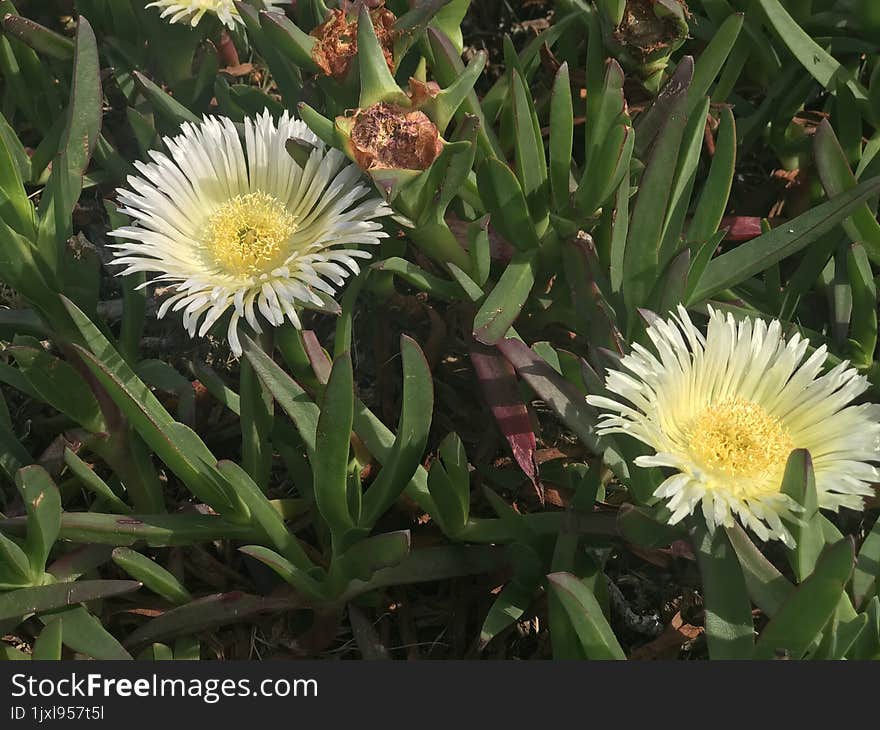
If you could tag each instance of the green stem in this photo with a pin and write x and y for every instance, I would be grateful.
(256, 421)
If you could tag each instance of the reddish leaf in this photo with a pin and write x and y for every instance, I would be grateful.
(501, 391)
(741, 227)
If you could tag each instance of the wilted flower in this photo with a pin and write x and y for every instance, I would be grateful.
(244, 226)
(726, 410)
(386, 136)
(646, 35)
(192, 11)
(336, 44)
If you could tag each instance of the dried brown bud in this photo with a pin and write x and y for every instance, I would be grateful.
(421, 91)
(337, 40)
(385, 136)
(646, 29)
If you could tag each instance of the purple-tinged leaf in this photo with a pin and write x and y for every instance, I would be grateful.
(500, 389)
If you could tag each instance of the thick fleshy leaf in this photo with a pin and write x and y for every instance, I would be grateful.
(805, 614)
(27, 601)
(716, 190)
(560, 395)
(332, 445)
(729, 627)
(506, 202)
(508, 607)
(84, 633)
(837, 178)
(504, 303)
(799, 483)
(219, 609)
(155, 530)
(820, 64)
(405, 456)
(500, 388)
(585, 614)
(758, 254)
(42, 501)
(61, 386)
(152, 575)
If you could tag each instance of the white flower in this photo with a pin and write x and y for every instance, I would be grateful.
(726, 410)
(243, 227)
(194, 10)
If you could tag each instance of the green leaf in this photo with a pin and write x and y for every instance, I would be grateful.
(759, 254)
(377, 83)
(13, 456)
(729, 627)
(91, 481)
(28, 601)
(712, 59)
(405, 457)
(363, 560)
(154, 530)
(38, 37)
(506, 203)
(821, 65)
(609, 143)
(257, 415)
(561, 138)
(42, 503)
(585, 614)
(505, 302)
(864, 581)
(442, 107)
(805, 614)
(642, 255)
(332, 446)
(61, 386)
(644, 528)
(561, 396)
(837, 178)
(293, 399)
(767, 587)
(166, 106)
(449, 485)
(683, 183)
(203, 614)
(15, 570)
(531, 161)
(77, 144)
(298, 578)
(507, 608)
(863, 324)
(264, 514)
(152, 575)
(716, 191)
(84, 633)
(15, 207)
(48, 643)
(289, 40)
(799, 483)
(177, 445)
(420, 279)
(447, 69)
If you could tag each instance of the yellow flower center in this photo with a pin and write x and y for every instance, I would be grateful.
(740, 439)
(247, 235)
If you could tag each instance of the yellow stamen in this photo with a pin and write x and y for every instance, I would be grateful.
(740, 439)
(247, 235)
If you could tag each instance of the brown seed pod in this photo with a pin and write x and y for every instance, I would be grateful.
(385, 136)
(337, 40)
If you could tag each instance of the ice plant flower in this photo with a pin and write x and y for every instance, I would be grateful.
(724, 412)
(192, 11)
(242, 226)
